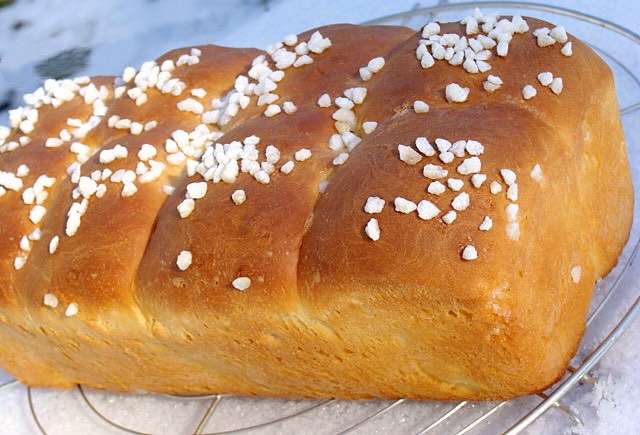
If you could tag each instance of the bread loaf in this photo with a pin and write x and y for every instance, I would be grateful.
(357, 212)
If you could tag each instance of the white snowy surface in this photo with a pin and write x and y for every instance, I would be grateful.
(123, 32)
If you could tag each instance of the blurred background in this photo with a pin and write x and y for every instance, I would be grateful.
(65, 38)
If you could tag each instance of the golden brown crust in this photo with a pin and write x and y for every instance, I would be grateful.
(330, 313)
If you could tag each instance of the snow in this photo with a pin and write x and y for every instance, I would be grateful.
(121, 33)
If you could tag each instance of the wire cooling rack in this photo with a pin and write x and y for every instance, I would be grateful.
(614, 307)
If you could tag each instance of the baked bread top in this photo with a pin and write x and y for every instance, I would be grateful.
(468, 169)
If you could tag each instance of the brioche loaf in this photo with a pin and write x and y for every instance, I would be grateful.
(357, 212)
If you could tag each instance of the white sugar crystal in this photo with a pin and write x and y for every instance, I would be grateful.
(242, 283)
(101, 190)
(513, 231)
(365, 73)
(503, 49)
(147, 152)
(284, 59)
(427, 210)
(53, 244)
(376, 64)
(457, 58)
(340, 159)
(72, 310)
(191, 105)
(508, 176)
(545, 78)
(50, 300)
(474, 147)
(483, 66)
(317, 43)
(529, 92)
(302, 154)
(262, 177)
(469, 166)
(470, 66)
(186, 207)
(87, 187)
(478, 179)
(302, 60)
(344, 103)
(486, 224)
(272, 110)
(374, 204)
(576, 274)
(136, 128)
(512, 211)
(472, 26)
(350, 140)
(197, 190)
(128, 190)
(346, 117)
(421, 51)
(545, 40)
(512, 192)
(409, 155)
(449, 217)
(492, 83)
(469, 253)
(458, 148)
(430, 29)
(436, 188)
(369, 126)
(287, 167)
(53, 142)
(556, 85)
(559, 34)
(35, 235)
(446, 157)
(372, 229)
(199, 93)
(425, 147)
(434, 172)
(37, 213)
(184, 260)
(142, 99)
(272, 154)
(519, 24)
(22, 171)
(25, 244)
(475, 45)
(302, 48)
(443, 145)
(404, 206)
(19, 262)
(495, 187)
(427, 61)
(567, 49)
(239, 196)
(420, 106)
(455, 184)
(536, 173)
(486, 42)
(541, 31)
(289, 107)
(290, 40)
(322, 186)
(107, 156)
(456, 93)
(461, 202)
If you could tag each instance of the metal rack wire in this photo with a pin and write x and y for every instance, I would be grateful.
(602, 326)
